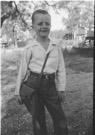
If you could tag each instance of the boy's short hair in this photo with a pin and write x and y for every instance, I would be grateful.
(37, 12)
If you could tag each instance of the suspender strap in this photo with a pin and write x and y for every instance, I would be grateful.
(40, 76)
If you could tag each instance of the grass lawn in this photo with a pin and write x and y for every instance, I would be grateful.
(78, 106)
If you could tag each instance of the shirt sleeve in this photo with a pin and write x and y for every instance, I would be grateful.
(22, 70)
(61, 73)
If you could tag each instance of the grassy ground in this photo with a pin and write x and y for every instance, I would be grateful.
(78, 102)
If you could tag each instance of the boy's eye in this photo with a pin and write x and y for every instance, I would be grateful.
(41, 23)
(47, 23)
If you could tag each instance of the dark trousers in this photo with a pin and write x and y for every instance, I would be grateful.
(47, 96)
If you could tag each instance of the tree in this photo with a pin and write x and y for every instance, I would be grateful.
(24, 9)
(79, 12)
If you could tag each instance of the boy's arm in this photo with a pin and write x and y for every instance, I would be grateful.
(21, 73)
(23, 68)
(61, 76)
(61, 72)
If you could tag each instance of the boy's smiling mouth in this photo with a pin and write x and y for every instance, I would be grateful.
(44, 30)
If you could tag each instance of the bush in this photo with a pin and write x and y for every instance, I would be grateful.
(83, 51)
(86, 44)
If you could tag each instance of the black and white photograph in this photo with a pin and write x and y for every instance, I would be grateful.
(46, 61)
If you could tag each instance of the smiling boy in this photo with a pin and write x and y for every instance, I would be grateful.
(53, 82)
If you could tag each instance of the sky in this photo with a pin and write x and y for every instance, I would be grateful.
(56, 20)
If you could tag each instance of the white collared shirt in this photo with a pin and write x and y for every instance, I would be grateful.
(33, 57)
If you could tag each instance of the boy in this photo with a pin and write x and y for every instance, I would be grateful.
(53, 82)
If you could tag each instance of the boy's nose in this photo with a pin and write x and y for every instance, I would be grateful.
(44, 25)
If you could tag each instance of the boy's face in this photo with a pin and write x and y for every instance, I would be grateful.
(42, 25)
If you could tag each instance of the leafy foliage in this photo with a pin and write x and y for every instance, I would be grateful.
(80, 13)
(18, 15)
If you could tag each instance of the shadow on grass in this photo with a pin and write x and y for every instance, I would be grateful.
(79, 64)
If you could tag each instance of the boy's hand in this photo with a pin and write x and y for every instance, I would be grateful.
(61, 96)
(19, 100)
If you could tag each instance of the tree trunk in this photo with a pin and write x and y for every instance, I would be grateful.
(3, 18)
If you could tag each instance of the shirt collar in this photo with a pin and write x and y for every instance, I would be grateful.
(51, 46)
(36, 43)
